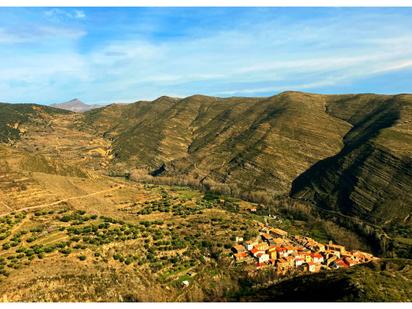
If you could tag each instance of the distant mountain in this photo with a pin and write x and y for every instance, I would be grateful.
(76, 105)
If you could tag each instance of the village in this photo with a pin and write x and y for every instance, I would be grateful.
(294, 254)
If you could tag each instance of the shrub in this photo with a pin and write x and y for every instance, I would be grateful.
(66, 251)
(3, 236)
(31, 239)
(65, 218)
(82, 257)
(49, 249)
(29, 252)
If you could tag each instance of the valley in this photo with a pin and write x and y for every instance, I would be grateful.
(124, 202)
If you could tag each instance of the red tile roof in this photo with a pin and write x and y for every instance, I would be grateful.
(341, 263)
(316, 255)
(239, 248)
(267, 236)
(255, 250)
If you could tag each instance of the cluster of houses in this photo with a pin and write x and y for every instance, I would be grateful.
(273, 247)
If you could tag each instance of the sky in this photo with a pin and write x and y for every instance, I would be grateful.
(106, 55)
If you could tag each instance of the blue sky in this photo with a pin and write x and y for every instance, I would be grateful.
(104, 55)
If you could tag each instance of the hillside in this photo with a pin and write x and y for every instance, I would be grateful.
(12, 116)
(245, 143)
(92, 205)
(371, 177)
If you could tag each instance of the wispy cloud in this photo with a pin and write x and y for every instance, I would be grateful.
(38, 34)
(57, 13)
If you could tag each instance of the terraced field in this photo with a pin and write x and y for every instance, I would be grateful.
(63, 148)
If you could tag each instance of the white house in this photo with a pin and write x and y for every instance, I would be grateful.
(239, 239)
(263, 257)
(250, 244)
(299, 261)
